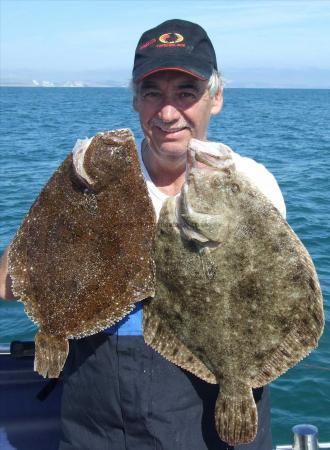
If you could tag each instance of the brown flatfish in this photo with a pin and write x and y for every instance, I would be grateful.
(237, 299)
(83, 254)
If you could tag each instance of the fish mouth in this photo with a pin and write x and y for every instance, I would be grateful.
(78, 156)
(204, 159)
(196, 226)
(208, 160)
(118, 136)
(114, 137)
(208, 156)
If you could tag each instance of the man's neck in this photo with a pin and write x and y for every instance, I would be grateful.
(168, 177)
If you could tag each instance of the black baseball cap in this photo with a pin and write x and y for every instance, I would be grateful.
(175, 45)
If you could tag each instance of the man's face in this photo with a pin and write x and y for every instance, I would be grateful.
(173, 108)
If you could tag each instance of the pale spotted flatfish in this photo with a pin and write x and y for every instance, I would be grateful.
(237, 299)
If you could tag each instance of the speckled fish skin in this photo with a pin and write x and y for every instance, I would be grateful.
(237, 300)
(83, 255)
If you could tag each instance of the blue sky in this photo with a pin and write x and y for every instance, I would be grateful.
(274, 41)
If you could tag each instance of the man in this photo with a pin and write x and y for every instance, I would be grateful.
(118, 393)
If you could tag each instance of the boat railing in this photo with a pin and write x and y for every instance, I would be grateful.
(4, 349)
(324, 445)
(304, 438)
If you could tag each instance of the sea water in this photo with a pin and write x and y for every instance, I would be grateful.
(286, 130)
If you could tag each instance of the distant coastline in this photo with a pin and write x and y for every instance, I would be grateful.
(255, 78)
(126, 86)
(56, 84)
(120, 84)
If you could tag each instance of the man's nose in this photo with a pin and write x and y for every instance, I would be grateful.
(168, 112)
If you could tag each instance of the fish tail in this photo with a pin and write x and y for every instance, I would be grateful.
(50, 354)
(236, 418)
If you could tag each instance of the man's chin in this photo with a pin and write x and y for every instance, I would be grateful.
(176, 143)
(174, 149)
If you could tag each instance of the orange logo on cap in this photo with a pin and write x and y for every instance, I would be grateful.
(171, 38)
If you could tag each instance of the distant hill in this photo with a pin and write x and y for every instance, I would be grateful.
(248, 77)
(49, 83)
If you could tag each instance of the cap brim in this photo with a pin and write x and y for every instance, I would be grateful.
(196, 68)
(175, 69)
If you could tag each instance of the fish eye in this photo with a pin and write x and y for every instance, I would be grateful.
(235, 188)
(216, 181)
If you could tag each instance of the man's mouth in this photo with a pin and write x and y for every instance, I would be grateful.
(171, 130)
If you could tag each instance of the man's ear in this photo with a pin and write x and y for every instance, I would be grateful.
(135, 104)
(217, 102)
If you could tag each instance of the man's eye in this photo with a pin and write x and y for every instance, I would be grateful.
(187, 95)
(151, 94)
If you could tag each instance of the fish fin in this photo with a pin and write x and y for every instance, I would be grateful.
(236, 417)
(50, 354)
(298, 344)
(161, 339)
